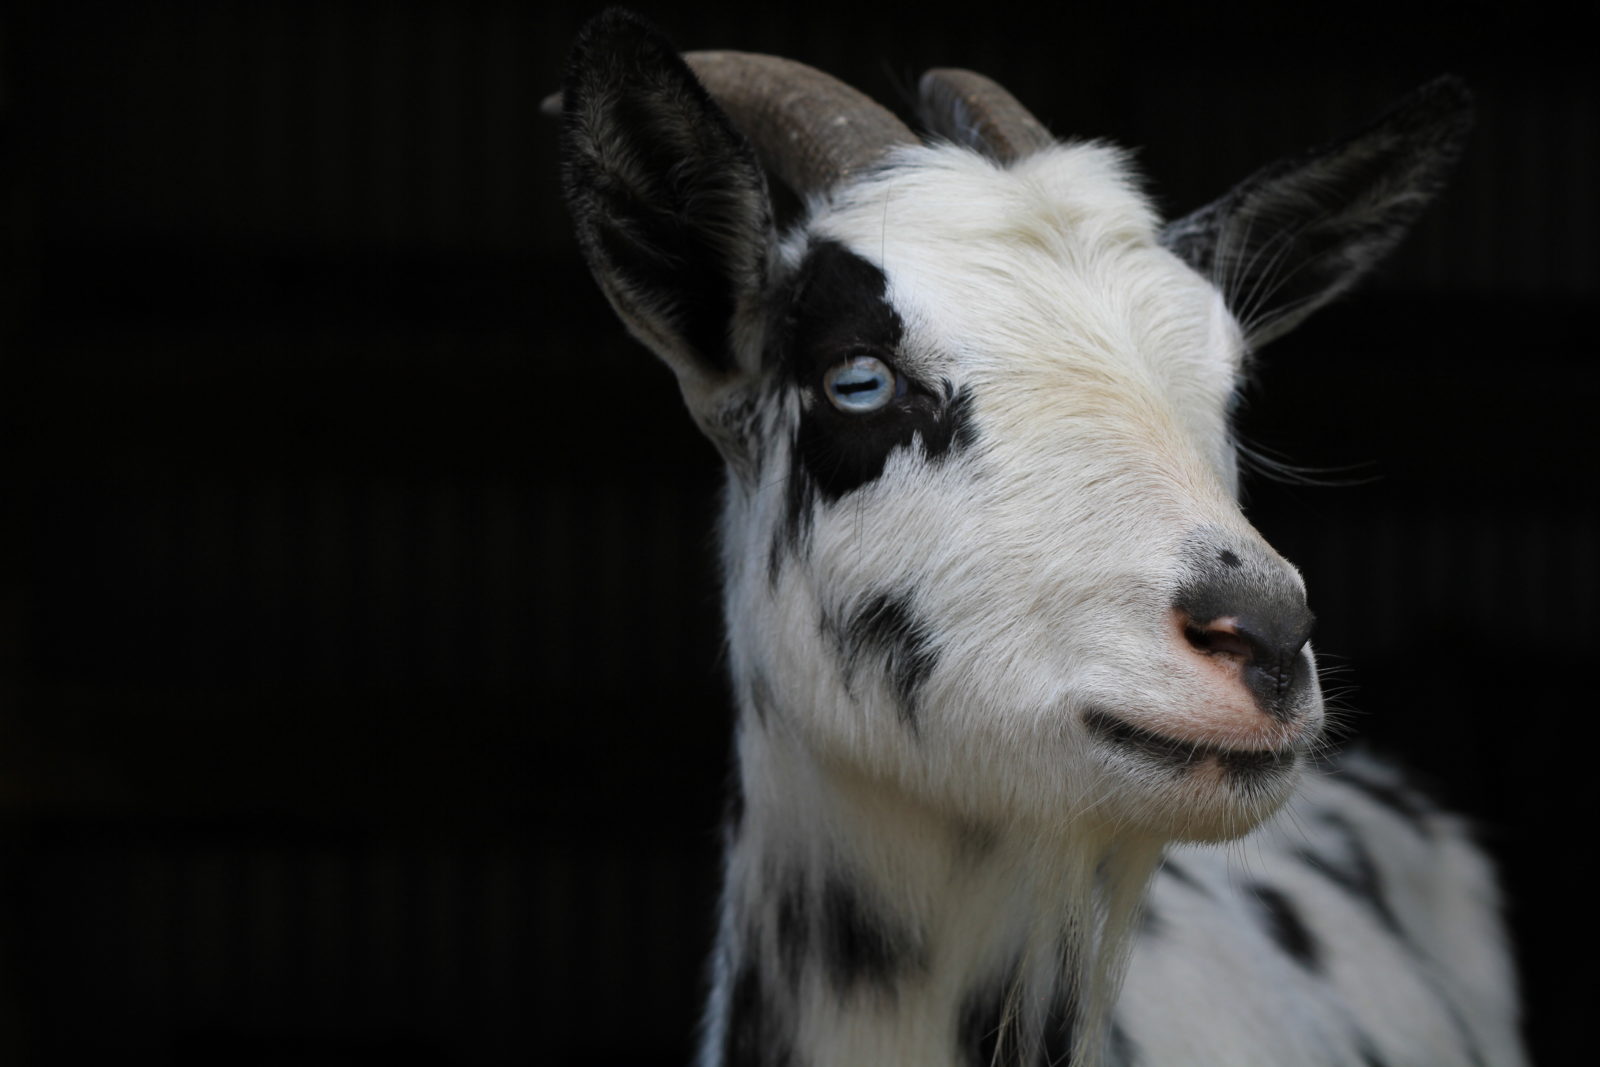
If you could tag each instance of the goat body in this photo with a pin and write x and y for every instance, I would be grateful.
(1008, 659)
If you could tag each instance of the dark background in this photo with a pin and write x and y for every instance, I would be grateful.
(359, 681)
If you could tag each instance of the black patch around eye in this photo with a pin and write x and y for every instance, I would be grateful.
(837, 308)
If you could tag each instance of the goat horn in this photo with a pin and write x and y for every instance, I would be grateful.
(973, 110)
(808, 128)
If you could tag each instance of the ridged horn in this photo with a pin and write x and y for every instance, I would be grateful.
(973, 110)
(808, 128)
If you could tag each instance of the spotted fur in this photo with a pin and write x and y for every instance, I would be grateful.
(1008, 658)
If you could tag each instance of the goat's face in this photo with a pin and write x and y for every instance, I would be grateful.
(975, 587)
(981, 538)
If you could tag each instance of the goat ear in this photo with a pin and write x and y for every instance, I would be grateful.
(670, 205)
(1300, 231)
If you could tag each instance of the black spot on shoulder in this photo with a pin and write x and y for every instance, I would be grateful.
(1354, 870)
(837, 308)
(1404, 802)
(886, 626)
(1150, 921)
(754, 1035)
(1227, 558)
(1179, 873)
(1122, 1051)
(1284, 925)
(1370, 1057)
(859, 946)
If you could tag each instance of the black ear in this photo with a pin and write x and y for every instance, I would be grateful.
(1300, 231)
(670, 206)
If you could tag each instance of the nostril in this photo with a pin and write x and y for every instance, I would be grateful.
(1267, 651)
(1220, 637)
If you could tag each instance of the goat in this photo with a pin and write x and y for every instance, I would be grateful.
(1000, 639)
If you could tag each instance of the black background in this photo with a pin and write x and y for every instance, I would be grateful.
(360, 692)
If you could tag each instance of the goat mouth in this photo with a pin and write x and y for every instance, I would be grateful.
(1180, 755)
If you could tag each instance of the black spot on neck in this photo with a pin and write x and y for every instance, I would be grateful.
(755, 1036)
(987, 1035)
(1355, 870)
(993, 1027)
(1000, 1022)
(793, 929)
(1285, 926)
(860, 946)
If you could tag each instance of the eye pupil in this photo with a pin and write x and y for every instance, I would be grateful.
(859, 384)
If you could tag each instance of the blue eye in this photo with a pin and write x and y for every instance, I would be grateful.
(861, 384)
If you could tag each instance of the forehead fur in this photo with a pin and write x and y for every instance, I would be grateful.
(1054, 256)
(1088, 189)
